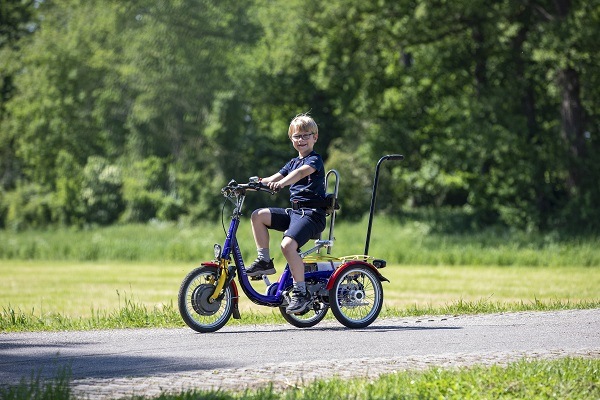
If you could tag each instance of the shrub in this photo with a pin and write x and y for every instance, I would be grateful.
(101, 191)
(28, 206)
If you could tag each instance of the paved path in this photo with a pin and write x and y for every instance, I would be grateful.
(117, 363)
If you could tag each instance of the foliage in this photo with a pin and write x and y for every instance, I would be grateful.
(493, 105)
(28, 206)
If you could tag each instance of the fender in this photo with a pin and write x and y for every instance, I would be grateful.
(348, 264)
(236, 296)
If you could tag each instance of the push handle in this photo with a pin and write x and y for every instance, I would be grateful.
(393, 157)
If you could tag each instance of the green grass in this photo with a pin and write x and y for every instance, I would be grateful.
(36, 389)
(69, 295)
(567, 378)
(399, 242)
(82, 289)
(130, 275)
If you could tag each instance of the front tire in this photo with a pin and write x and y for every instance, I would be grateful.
(356, 297)
(194, 306)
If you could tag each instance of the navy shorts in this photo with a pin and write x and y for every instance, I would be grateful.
(301, 225)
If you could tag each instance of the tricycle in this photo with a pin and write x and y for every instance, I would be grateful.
(350, 285)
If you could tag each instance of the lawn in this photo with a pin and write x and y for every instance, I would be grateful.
(77, 289)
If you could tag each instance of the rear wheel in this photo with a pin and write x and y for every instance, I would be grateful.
(195, 307)
(312, 316)
(356, 297)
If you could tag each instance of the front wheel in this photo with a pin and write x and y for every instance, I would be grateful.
(197, 311)
(356, 297)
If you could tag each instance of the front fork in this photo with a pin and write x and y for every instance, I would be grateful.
(226, 275)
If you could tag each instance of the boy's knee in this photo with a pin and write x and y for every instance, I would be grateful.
(289, 245)
(259, 215)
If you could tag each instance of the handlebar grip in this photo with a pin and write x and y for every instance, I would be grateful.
(233, 186)
(398, 157)
(261, 187)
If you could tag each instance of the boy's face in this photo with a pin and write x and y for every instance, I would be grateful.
(304, 142)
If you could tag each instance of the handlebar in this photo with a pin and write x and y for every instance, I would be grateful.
(234, 188)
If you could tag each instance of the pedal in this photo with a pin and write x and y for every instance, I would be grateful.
(255, 278)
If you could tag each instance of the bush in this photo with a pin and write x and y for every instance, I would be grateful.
(101, 191)
(28, 206)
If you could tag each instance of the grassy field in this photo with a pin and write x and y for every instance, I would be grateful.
(70, 273)
(397, 241)
(569, 378)
(73, 295)
(82, 289)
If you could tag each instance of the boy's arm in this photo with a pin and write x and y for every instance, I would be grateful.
(291, 178)
(273, 178)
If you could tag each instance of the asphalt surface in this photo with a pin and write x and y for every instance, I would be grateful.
(116, 363)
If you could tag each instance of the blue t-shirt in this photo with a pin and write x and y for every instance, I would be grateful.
(311, 187)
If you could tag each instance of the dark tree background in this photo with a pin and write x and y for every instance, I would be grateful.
(115, 111)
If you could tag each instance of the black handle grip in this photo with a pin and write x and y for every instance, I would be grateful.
(398, 157)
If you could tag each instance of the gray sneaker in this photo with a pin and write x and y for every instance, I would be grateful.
(260, 268)
(299, 302)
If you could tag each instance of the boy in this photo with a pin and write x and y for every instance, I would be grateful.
(305, 219)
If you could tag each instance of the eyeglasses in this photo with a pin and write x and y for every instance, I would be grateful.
(304, 136)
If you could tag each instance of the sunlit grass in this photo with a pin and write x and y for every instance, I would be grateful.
(68, 295)
(438, 285)
(78, 279)
(398, 242)
(83, 289)
(567, 378)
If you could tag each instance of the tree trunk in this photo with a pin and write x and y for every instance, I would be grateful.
(572, 122)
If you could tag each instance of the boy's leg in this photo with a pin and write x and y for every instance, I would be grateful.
(263, 265)
(261, 220)
(299, 297)
(289, 248)
(304, 224)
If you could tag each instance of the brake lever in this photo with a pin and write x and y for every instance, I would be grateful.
(230, 188)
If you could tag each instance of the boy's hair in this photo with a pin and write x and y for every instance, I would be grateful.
(303, 123)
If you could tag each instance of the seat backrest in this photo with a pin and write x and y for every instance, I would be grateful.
(332, 203)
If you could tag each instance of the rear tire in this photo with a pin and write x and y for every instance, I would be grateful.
(194, 306)
(356, 297)
(308, 318)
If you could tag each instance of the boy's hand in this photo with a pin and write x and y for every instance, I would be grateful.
(275, 186)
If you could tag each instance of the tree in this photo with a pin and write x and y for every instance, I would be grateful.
(16, 22)
(494, 104)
